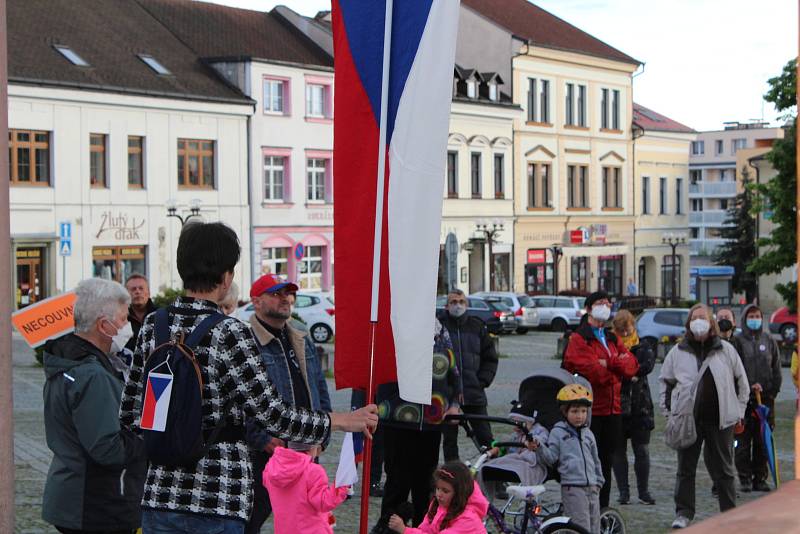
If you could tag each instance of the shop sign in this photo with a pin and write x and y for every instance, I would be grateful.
(325, 214)
(537, 255)
(579, 236)
(599, 233)
(120, 226)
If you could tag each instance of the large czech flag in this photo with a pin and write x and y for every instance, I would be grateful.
(417, 113)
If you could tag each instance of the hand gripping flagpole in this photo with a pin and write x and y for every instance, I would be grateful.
(376, 254)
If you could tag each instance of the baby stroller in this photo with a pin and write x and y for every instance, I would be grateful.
(537, 396)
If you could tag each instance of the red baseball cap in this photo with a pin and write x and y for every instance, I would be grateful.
(270, 283)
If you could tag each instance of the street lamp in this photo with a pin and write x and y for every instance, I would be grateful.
(490, 233)
(172, 210)
(674, 241)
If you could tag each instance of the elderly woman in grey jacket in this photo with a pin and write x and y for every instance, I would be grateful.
(703, 381)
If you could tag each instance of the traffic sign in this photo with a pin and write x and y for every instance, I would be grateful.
(65, 230)
(65, 247)
(299, 251)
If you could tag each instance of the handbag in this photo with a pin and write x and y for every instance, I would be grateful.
(680, 431)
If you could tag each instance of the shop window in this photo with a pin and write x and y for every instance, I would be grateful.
(135, 162)
(117, 263)
(501, 272)
(579, 268)
(610, 274)
(311, 269)
(274, 260)
(29, 266)
(29, 157)
(195, 164)
(539, 272)
(97, 161)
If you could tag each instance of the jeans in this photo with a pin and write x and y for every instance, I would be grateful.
(164, 522)
(483, 433)
(640, 440)
(608, 432)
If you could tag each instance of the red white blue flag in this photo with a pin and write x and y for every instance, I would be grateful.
(396, 106)
(156, 401)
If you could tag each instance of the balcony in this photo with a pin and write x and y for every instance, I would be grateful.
(704, 247)
(712, 189)
(708, 218)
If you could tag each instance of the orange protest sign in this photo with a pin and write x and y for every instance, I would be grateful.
(47, 319)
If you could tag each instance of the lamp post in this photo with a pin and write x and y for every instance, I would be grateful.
(557, 252)
(172, 210)
(674, 241)
(490, 233)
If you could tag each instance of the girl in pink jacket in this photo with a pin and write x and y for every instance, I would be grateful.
(458, 506)
(299, 491)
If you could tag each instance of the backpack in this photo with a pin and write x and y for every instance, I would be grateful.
(172, 409)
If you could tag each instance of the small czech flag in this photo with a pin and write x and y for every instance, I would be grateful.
(156, 401)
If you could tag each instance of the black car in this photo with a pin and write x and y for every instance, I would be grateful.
(498, 317)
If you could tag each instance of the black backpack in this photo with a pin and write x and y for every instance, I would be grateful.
(172, 409)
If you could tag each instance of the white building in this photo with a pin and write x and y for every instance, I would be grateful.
(105, 137)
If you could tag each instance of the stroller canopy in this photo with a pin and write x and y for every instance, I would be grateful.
(537, 393)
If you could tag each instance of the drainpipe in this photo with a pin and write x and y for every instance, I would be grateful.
(250, 180)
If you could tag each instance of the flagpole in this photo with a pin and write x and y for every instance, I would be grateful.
(376, 254)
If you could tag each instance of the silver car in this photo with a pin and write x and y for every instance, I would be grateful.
(559, 312)
(656, 323)
(527, 316)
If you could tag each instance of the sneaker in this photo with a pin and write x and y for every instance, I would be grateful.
(646, 498)
(376, 490)
(624, 497)
(681, 522)
(746, 486)
(761, 485)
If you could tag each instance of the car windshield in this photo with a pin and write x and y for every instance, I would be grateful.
(525, 301)
(497, 305)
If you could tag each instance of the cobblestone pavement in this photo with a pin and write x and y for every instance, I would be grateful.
(521, 357)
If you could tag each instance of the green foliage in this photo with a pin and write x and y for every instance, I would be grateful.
(779, 195)
(740, 247)
(167, 296)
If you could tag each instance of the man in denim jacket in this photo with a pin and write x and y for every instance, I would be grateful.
(293, 367)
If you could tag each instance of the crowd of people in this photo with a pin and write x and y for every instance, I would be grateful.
(265, 412)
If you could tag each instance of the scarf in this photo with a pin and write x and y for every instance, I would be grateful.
(630, 341)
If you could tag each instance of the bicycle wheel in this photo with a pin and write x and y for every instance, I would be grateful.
(568, 527)
(611, 522)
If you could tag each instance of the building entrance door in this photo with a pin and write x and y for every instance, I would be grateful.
(29, 276)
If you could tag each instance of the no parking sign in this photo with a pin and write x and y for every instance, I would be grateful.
(299, 251)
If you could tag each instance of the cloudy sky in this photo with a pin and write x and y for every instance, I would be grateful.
(706, 61)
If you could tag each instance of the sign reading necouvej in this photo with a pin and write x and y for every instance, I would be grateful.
(45, 320)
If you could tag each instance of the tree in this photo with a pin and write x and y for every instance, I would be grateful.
(779, 195)
(740, 235)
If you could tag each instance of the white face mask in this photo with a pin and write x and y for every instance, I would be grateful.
(601, 312)
(121, 338)
(700, 327)
(456, 310)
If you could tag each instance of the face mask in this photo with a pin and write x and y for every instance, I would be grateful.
(601, 312)
(121, 338)
(700, 327)
(754, 324)
(725, 325)
(457, 310)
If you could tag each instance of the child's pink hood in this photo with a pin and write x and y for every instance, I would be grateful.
(286, 466)
(469, 522)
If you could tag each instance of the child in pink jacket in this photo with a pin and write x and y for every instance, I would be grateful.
(458, 506)
(299, 491)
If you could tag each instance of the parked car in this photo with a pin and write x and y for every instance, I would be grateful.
(521, 305)
(559, 312)
(784, 322)
(317, 311)
(656, 323)
(498, 320)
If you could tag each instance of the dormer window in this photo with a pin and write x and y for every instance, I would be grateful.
(71, 56)
(154, 64)
(493, 92)
(472, 87)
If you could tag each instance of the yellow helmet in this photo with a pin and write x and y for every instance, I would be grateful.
(574, 394)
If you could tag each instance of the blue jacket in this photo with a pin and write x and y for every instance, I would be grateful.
(277, 368)
(574, 452)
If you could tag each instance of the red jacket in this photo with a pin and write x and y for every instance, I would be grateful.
(583, 356)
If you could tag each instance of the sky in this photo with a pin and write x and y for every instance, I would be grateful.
(706, 61)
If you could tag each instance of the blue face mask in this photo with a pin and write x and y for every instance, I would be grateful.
(754, 324)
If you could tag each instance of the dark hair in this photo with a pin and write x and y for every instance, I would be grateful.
(206, 251)
(594, 297)
(136, 276)
(457, 475)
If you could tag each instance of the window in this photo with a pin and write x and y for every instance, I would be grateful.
(532, 100)
(493, 92)
(723, 203)
(694, 233)
(71, 56)
(97, 160)
(671, 277)
(544, 102)
(645, 195)
(679, 196)
(274, 178)
(695, 176)
(615, 110)
(698, 148)
(117, 263)
(539, 276)
(697, 204)
(311, 269)
(135, 162)
(577, 177)
(315, 171)
(499, 180)
(662, 196)
(612, 187)
(670, 318)
(580, 273)
(538, 185)
(195, 164)
(718, 147)
(570, 104)
(29, 157)
(274, 260)
(475, 174)
(604, 109)
(154, 64)
(452, 174)
(738, 144)
(477, 304)
(581, 105)
(315, 100)
(471, 92)
(274, 91)
(609, 278)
